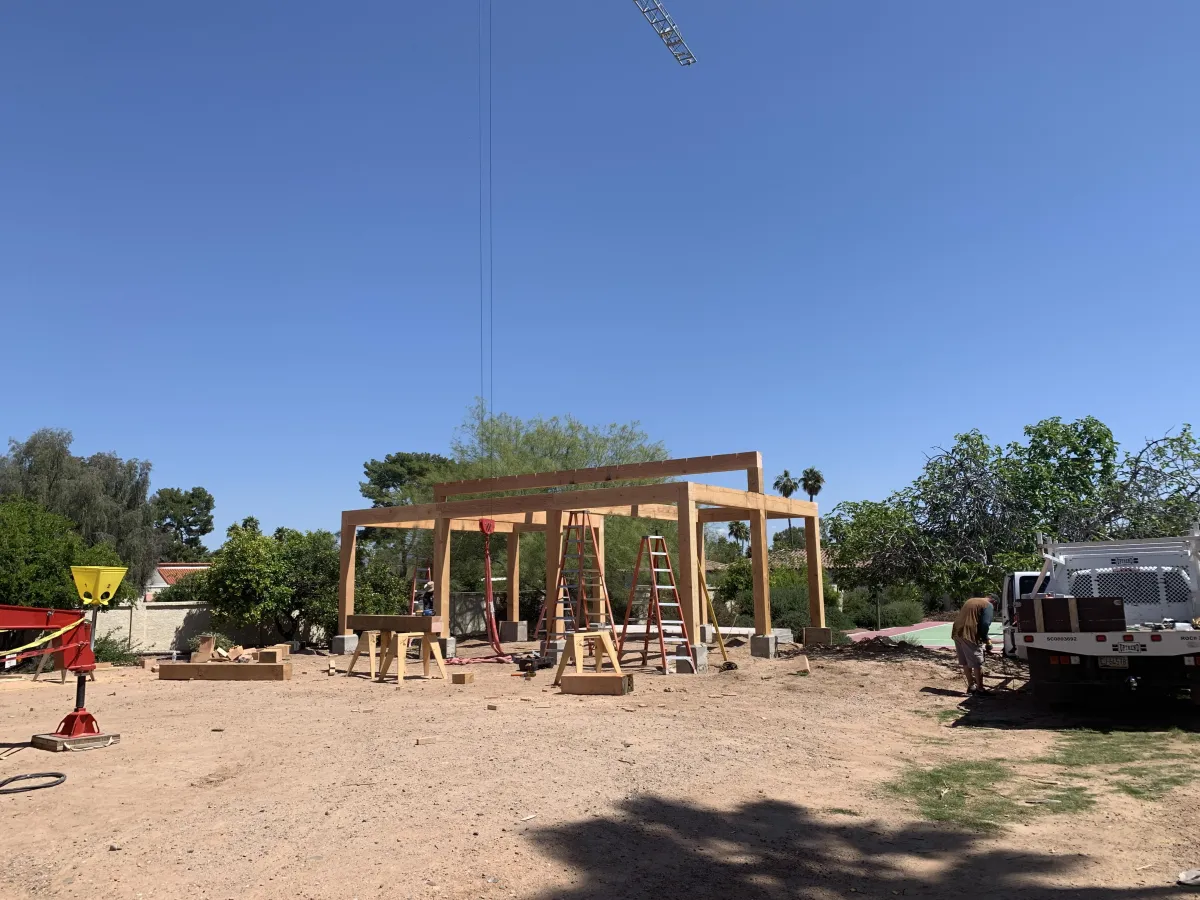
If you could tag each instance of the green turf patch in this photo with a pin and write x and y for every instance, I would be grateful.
(1151, 783)
(960, 793)
(841, 811)
(1085, 747)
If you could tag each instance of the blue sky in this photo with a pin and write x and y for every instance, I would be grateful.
(240, 240)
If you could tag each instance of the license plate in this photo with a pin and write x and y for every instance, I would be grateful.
(1114, 662)
(1128, 648)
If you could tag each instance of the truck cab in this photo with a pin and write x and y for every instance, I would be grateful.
(1016, 586)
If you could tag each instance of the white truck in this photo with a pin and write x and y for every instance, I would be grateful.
(1108, 615)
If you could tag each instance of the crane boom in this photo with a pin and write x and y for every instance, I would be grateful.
(660, 20)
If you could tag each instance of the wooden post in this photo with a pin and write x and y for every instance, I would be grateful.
(554, 542)
(762, 573)
(685, 567)
(598, 521)
(513, 575)
(346, 575)
(701, 568)
(816, 586)
(441, 573)
(754, 477)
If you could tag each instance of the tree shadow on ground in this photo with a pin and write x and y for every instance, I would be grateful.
(653, 847)
(1021, 710)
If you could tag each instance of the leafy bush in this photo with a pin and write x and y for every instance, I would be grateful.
(901, 612)
(191, 588)
(120, 651)
(898, 605)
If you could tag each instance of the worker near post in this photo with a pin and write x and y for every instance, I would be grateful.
(427, 599)
(970, 633)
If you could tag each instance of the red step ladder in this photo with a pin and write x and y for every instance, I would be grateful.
(664, 595)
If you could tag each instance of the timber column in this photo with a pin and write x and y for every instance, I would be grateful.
(686, 570)
(554, 546)
(513, 628)
(763, 642)
(343, 641)
(816, 586)
(441, 573)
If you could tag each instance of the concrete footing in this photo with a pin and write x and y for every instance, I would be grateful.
(764, 646)
(708, 634)
(784, 635)
(817, 636)
(511, 632)
(449, 646)
(697, 663)
(342, 644)
(553, 650)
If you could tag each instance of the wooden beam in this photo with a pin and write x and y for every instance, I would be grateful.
(441, 573)
(760, 567)
(513, 576)
(456, 525)
(668, 468)
(423, 516)
(346, 574)
(734, 499)
(816, 584)
(554, 542)
(685, 568)
(531, 504)
(700, 567)
(662, 511)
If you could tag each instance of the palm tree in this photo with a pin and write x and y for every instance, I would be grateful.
(811, 480)
(740, 532)
(786, 485)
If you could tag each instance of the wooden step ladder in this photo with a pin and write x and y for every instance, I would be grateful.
(664, 596)
(581, 601)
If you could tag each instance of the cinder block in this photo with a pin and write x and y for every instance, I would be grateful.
(708, 634)
(449, 647)
(553, 650)
(783, 635)
(511, 632)
(342, 644)
(764, 646)
(817, 636)
(698, 662)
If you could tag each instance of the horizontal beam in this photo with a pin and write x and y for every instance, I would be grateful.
(667, 468)
(455, 525)
(534, 506)
(661, 511)
(385, 516)
(744, 500)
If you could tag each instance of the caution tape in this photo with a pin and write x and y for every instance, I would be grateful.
(42, 640)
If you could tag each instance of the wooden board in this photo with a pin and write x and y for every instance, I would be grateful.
(462, 677)
(269, 656)
(611, 683)
(423, 624)
(169, 671)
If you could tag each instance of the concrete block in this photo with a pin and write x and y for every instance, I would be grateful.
(764, 646)
(511, 632)
(449, 647)
(817, 636)
(342, 644)
(690, 666)
(708, 634)
(783, 635)
(553, 650)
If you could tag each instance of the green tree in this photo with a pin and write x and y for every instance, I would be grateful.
(37, 550)
(740, 533)
(787, 485)
(105, 496)
(788, 538)
(183, 518)
(311, 561)
(811, 480)
(401, 479)
(247, 585)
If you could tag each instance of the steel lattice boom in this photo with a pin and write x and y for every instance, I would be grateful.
(662, 22)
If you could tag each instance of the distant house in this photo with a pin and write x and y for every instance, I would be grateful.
(167, 573)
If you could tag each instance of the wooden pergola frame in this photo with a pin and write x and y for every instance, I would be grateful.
(688, 503)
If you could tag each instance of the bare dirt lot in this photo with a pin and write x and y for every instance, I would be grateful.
(753, 783)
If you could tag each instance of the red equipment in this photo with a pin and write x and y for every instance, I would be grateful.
(74, 642)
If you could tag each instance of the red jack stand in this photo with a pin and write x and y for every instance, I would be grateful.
(78, 731)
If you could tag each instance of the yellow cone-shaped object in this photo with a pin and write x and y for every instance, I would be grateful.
(97, 584)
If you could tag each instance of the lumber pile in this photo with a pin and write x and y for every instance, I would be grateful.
(211, 663)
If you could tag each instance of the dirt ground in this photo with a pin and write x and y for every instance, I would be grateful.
(752, 783)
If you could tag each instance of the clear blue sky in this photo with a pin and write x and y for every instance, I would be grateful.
(239, 239)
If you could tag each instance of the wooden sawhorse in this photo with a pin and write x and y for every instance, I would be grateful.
(396, 651)
(366, 642)
(575, 649)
